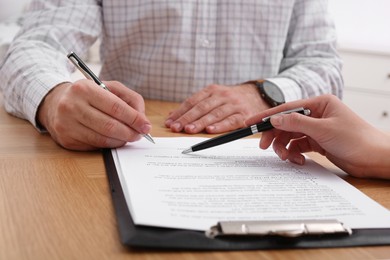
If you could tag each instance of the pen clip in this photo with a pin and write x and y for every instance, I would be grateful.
(301, 110)
(83, 68)
(79, 65)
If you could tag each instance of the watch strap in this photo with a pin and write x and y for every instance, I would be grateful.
(259, 85)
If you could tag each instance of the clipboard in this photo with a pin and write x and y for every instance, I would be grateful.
(137, 236)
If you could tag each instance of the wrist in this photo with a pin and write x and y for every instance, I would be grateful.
(381, 154)
(46, 105)
(269, 92)
(375, 151)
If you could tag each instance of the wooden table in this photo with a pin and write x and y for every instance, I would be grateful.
(56, 204)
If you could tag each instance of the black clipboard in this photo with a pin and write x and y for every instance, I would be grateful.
(136, 236)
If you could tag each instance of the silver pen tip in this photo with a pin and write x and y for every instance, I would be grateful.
(149, 138)
(189, 150)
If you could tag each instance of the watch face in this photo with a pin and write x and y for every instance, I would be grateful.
(273, 92)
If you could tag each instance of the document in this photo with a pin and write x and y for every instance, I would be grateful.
(234, 181)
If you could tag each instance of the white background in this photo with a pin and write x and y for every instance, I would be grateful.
(362, 24)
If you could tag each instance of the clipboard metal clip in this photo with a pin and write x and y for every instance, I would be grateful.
(293, 228)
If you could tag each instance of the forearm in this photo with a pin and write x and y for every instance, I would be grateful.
(367, 155)
(316, 76)
(36, 60)
(311, 77)
(379, 153)
(310, 57)
(25, 83)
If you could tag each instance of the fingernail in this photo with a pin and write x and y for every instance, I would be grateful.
(211, 128)
(168, 122)
(298, 160)
(190, 127)
(176, 126)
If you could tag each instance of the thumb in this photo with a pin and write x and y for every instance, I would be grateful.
(297, 123)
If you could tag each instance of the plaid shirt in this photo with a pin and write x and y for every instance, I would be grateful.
(170, 49)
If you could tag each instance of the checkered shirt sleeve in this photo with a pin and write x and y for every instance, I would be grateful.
(170, 49)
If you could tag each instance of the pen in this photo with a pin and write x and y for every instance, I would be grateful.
(264, 125)
(79, 63)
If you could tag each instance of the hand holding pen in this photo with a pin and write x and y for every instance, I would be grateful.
(333, 130)
(83, 116)
(90, 75)
(255, 128)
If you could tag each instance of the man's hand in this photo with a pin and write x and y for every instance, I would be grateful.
(83, 116)
(217, 109)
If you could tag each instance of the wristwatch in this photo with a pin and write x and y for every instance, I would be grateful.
(270, 92)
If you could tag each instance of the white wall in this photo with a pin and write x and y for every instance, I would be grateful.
(362, 24)
(10, 9)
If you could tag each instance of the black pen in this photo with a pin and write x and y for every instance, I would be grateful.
(79, 63)
(264, 125)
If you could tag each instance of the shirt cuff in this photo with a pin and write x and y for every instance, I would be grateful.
(38, 91)
(291, 90)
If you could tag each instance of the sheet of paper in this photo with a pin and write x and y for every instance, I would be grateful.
(235, 181)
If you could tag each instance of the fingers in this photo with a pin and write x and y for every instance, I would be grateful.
(290, 139)
(317, 106)
(229, 123)
(298, 123)
(267, 139)
(200, 116)
(286, 127)
(293, 152)
(83, 139)
(323, 131)
(128, 109)
(105, 126)
(132, 98)
(223, 118)
(82, 116)
(216, 109)
(192, 109)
